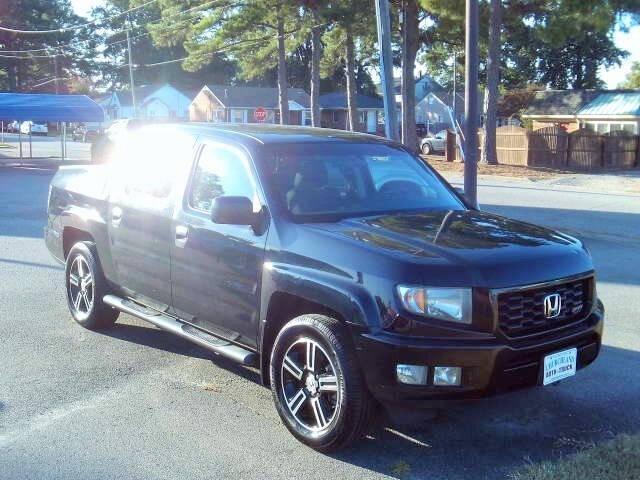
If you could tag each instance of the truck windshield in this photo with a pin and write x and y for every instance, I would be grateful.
(325, 181)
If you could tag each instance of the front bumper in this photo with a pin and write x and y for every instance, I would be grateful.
(488, 367)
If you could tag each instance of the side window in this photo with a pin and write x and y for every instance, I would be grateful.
(145, 167)
(400, 172)
(219, 172)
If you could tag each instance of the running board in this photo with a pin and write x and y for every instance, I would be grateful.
(170, 324)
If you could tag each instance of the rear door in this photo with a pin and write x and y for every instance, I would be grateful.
(141, 208)
(217, 269)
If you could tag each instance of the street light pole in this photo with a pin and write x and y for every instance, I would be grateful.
(386, 69)
(133, 92)
(471, 104)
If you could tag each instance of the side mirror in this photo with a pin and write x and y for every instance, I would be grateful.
(230, 210)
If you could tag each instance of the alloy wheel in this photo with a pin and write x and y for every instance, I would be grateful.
(81, 287)
(310, 385)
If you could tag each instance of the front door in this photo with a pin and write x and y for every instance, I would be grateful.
(216, 269)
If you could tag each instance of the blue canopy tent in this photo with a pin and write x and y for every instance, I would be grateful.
(40, 107)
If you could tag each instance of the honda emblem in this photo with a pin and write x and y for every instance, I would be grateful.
(552, 305)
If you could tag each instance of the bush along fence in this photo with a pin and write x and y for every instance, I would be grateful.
(553, 147)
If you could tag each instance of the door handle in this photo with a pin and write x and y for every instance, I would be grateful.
(116, 216)
(182, 233)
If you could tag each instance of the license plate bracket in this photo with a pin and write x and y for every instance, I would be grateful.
(559, 365)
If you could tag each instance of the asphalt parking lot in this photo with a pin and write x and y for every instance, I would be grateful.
(135, 402)
(43, 147)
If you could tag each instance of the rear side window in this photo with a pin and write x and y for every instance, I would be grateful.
(146, 165)
(219, 171)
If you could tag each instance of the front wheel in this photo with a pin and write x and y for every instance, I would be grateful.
(86, 286)
(426, 148)
(317, 385)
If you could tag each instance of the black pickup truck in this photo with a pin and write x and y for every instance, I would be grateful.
(340, 265)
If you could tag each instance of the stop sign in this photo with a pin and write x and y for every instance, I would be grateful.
(260, 114)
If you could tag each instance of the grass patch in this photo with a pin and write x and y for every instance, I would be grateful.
(616, 459)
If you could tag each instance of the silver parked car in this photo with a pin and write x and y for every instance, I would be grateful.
(434, 143)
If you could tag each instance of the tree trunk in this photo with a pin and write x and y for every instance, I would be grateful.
(489, 154)
(352, 104)
(283, 97)
(12, 76)
(408, 90)
(316, 52)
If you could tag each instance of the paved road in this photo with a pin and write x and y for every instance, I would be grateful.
(136, 402)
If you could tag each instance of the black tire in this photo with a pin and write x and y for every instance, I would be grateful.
(84, 293)
(347, 412)
(426, 148)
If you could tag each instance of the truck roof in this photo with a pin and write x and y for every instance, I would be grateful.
(278, 134)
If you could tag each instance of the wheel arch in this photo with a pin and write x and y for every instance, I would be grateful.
(71, 236)
(288, 293)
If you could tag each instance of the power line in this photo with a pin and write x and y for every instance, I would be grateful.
(51, 80)
(152, 22)
(75, 27)
(66, 53)
(249, 42)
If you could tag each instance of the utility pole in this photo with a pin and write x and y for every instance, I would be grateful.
(386, 69)
(471, 104)
(455, 87)
(61, 125)
(133, 92)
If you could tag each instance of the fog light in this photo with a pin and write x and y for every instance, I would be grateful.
(447, 376)
(412, 374)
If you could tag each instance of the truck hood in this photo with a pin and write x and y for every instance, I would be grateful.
(485, 249)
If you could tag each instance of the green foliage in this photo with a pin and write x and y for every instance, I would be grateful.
(633, 78)
(244, 33)
(169, 25)
(555, 43)
(243, 37)
(75, 60)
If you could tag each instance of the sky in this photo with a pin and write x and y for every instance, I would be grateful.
(629, 41)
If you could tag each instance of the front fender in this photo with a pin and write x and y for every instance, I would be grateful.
(337, 291)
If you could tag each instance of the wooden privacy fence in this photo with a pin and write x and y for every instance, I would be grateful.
(553, 147)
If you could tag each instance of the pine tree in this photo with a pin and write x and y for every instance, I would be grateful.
(62, 55)
(348, 42)
(257, 35)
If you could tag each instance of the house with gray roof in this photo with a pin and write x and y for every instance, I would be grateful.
(602, 111)
(162, 101)
(333, 111)
(245, 104)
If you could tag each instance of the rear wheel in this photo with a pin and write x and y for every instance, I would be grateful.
(317, 385)
(86, 286)
(426, 148)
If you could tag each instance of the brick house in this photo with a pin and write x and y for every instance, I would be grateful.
(222, 103)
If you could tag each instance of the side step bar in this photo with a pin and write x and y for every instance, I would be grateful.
(199, 337)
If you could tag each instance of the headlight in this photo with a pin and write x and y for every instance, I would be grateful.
(450, 304)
